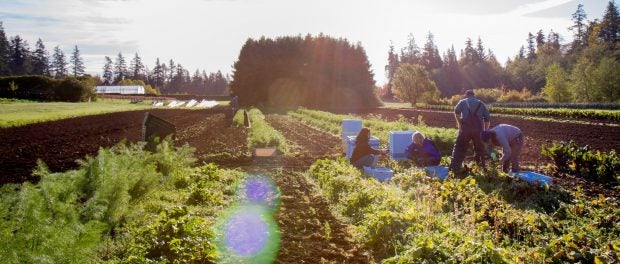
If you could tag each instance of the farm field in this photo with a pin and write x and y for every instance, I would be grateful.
(316, 226)
(23, 113)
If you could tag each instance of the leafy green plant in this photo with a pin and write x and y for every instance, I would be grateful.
(584, 162)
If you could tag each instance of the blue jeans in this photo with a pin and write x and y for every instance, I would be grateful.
(369, 160)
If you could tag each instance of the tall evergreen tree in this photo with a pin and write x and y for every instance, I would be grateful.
(40, 60)
(108, 71)
(531, 49)
(390, 69)
(410, 54)
(4, 53)
(158, 75)
(59, 64)
(610, 25)
(20, 56)
(120, 68)
(137, 68)
(430, 54)
(481, 56)
(579, 28)
(540, 39)
(77, 64)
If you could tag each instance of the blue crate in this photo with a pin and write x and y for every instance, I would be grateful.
(440, 172)
(533, 178)
(374, 143)
(380, 173)
(399, 141)
(350, 127)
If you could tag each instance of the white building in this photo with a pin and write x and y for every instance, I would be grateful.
(125, 89)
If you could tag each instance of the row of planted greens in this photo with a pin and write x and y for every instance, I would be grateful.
(128, 205)
(525, 111)
(484, 218)
(261, 134)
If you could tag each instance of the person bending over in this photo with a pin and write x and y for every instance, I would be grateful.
(510, 139)
(422, 151)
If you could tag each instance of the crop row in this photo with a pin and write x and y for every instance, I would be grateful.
(124, 205)
(589, 114)
(261, 134)
(443, 137)
(484, 218)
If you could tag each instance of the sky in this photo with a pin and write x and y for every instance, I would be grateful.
(208, 34)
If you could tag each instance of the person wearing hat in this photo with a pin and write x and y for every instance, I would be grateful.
(510, 139)
(472, 117)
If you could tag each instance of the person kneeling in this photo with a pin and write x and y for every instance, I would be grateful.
(422, 151)
(363, 154)
(510, 139)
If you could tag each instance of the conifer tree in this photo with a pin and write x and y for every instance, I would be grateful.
(77, 64)
(108, 71)
(430, 54)
(610, 25)
(19, 62)
(531, 49)
(137, 68)
(4, 53)
(120, 68)
(390, 69)
(59, 64)
(578, 28)
(40, 60)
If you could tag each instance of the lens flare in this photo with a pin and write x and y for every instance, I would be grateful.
(259, 190)
(247, 234)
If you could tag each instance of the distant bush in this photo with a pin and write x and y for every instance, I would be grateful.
(41, 88)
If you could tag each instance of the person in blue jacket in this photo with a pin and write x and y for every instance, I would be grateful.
(423, 151)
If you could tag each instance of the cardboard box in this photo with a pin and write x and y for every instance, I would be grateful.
(399, 141)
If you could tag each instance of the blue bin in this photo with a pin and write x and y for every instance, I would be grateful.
(440, 172)
(399, 141)
(380, 173)
(350, 127)
(534, 178)
(374, 143)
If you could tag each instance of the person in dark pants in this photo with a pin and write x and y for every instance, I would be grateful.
(363, 154)
(472, 117)
(510, 139)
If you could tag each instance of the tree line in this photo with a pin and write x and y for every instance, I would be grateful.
(584, 70)
(17, 58)
(312, 71)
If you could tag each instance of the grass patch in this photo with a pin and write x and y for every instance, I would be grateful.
(20, 113)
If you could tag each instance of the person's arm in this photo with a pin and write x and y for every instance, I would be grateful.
(486, 116)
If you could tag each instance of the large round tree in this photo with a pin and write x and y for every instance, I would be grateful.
(412, 84)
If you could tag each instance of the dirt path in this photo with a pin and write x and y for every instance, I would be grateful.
(310, 233)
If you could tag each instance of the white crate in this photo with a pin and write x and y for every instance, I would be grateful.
(374, 143)
(399, 141)
(380, 173)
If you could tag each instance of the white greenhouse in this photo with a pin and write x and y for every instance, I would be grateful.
(125, 89)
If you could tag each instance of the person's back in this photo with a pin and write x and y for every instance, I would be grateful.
(472, 117)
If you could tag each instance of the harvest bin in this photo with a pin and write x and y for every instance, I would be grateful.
(374, 143)
(440, 172)
(380, 173)
(533, 178)
(399, 141)
(350, 127)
